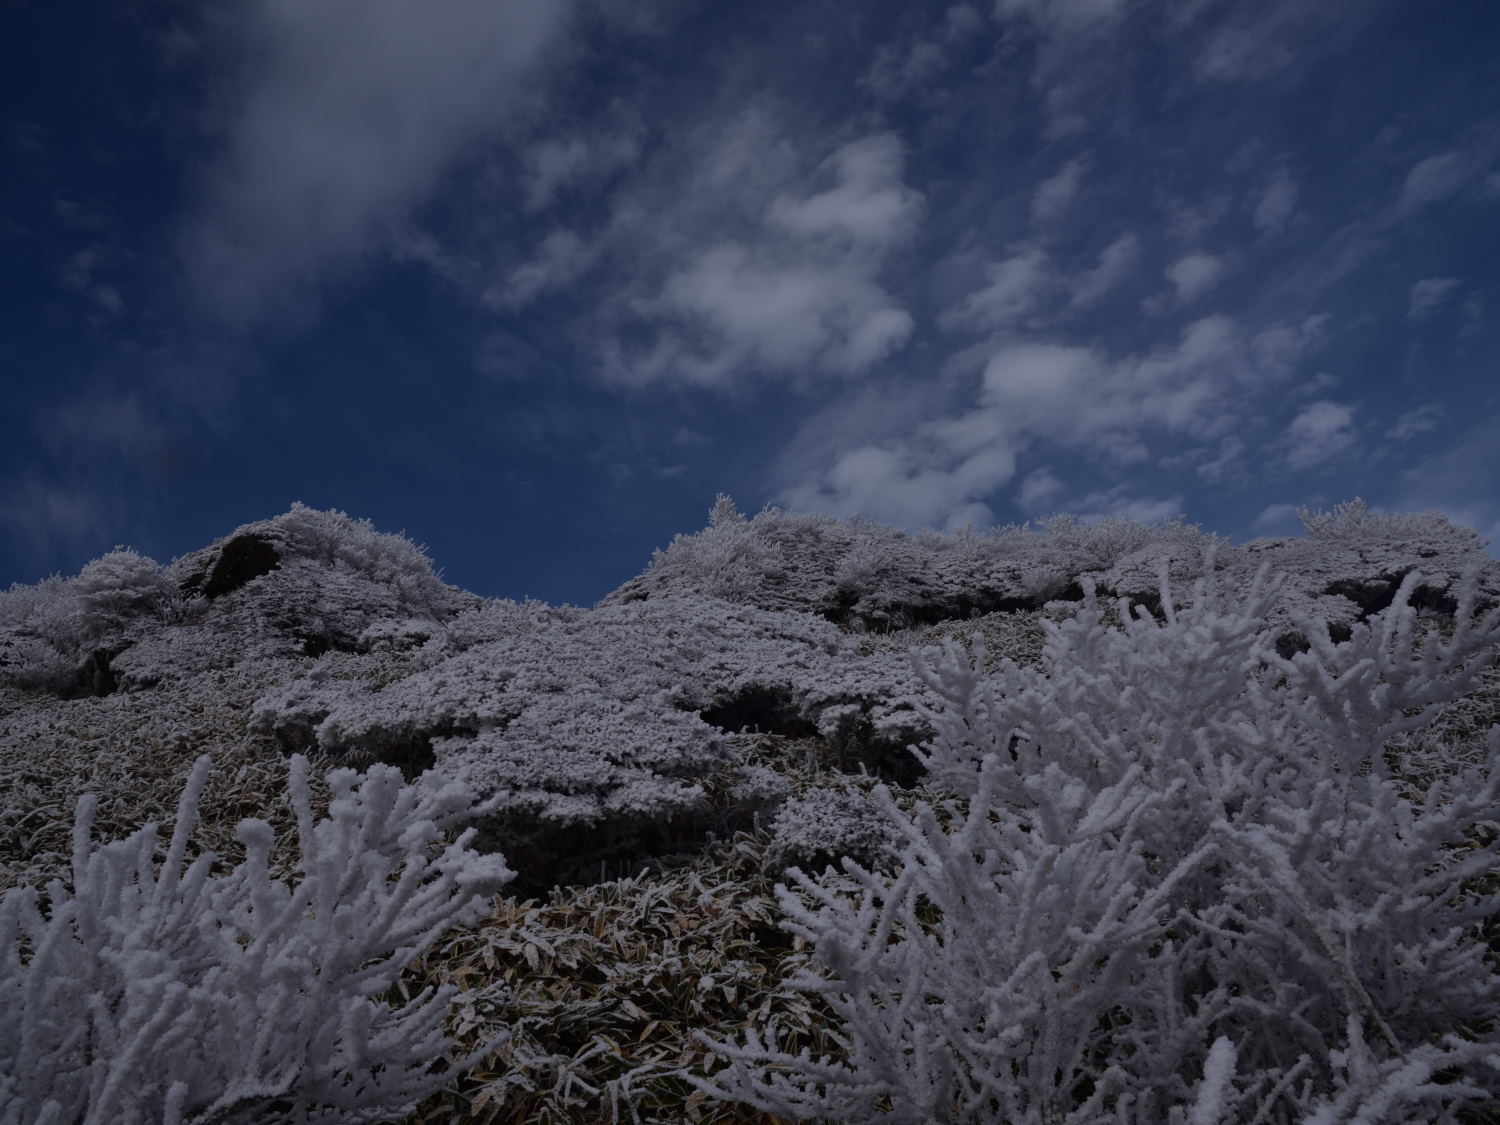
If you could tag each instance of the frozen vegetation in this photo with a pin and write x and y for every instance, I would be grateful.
(813, 819)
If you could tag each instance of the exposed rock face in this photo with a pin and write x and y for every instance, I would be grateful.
(242, 558)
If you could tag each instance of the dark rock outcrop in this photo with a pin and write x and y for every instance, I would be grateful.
(242, 559)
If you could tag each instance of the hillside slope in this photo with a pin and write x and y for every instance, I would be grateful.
(757, 678)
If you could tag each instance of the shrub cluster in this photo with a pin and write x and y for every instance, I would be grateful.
(172, 995)
(1174, 880)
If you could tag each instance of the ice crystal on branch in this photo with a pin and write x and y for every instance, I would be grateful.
(1180, 885)
(145, 995)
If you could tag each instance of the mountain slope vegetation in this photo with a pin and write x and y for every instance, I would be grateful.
(813, 819)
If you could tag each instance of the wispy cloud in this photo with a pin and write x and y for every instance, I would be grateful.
(1462, 481)
(344, 115)
(1319, 432)
(1428, 295)
(1016, 287)
(1277, 203)
(82, 273)
(1039, 492)
(1116, 261)
(47, 519)
(1195, 274)
(554, 165)
(560, 260)
(1423, 419)
(1277, 519)
(1434, 179)
(1054, 195)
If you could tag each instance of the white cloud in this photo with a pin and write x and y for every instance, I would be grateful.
(100, 426)
(1277, 203)
(908, 484)
(900, 68)
(561, 259)
(914, 65)
(557, 163)
(1063, 17)
(1231, 448)
(1079, 58)
(1462, 482)
(1255, 43)
(1428, 295)
(1321, 430)
(1189, 222)
(1115, 263)
(51, 517)
(869, 207)
(1278, 347)
(1277, 518)
(1041, 387)
(1317, 384)
(1054, 195)
(961, 21)
(345, 115)
(1433, 180)
(79, 274)
(1039, 492)
(1240, 51)
(776, 316)
(1421, 420)
(798, 293)
(1017, 286)
(1195, 274)
(1200, 387)
(1095, 507)
(423, 248)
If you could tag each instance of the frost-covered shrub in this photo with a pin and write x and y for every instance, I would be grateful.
(117, 587)
(728, 559)
(499, 620)
(304, 582)
(582, 760)
(607, 719)
(177, 653)
(1179, 885)
(138, 995)
(866, 576)
(333, 537)
(870, 708)
(819, 827)
(1091, 546)
(663, 661)
(760, 786)
(1355, 520)
(38, 634)
(49, 630)
(869, 578)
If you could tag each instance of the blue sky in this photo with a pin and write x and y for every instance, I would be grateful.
(533, 280)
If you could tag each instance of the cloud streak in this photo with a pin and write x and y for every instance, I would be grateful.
(344, 116)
